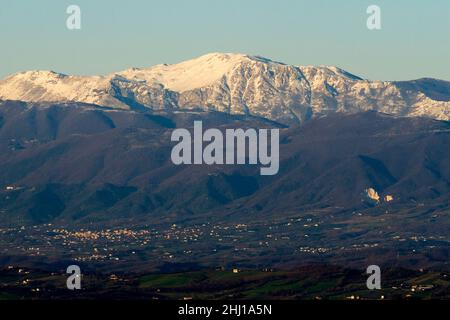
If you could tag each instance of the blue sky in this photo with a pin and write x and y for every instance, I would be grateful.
(414, 41)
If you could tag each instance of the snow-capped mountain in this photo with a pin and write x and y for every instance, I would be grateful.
(238, 84)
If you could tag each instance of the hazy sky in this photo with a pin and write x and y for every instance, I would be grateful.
(414, 41)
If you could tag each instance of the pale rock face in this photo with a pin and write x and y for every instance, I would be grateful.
(237, 84)
(373, 195)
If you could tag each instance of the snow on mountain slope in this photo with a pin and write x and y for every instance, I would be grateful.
(188, 75)
(49, 86)
(233, 83)
(238, 84)
(335, 90)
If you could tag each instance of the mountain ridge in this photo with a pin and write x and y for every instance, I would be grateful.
(236, 84)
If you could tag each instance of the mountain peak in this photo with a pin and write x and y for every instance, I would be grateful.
(35, 74)
(191, 74)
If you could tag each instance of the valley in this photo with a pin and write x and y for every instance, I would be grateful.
(67, 197)
(316, 282)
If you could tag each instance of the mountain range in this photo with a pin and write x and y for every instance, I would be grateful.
(236, 84)
(364, 172)
(72, 163)
(72, 166)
